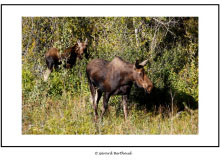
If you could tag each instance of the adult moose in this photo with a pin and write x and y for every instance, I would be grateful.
(115, 78)
(69, 56)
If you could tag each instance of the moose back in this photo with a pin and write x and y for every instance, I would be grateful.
(115, 78)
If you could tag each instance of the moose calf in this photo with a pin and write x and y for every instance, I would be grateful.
(69, 56)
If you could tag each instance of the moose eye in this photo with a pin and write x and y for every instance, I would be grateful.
(141, 74)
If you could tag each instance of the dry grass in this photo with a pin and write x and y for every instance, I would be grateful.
(74, 115)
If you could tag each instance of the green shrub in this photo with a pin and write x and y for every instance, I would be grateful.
(169, 43)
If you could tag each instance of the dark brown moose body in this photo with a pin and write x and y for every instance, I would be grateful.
(115, 78)
(69, 56)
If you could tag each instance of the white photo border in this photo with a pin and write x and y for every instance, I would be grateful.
(11, 108)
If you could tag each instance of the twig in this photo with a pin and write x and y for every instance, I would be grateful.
(176, 116)
(165, 25)
(188, 109)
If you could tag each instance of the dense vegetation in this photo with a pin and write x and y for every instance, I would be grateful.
(62, 106)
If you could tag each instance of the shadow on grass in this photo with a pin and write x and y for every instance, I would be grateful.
(161, 97)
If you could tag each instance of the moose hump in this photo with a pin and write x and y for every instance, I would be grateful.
(115, 78)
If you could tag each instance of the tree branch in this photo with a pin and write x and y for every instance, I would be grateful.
(165, 25)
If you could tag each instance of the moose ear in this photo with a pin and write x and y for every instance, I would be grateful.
(143, 63)
(78, 41)
(137, 66)
(140, 65)
(86, 40)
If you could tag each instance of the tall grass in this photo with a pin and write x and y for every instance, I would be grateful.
(62, 105)
(73, 114)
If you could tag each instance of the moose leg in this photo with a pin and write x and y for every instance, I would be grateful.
(124, 102)
(105, 103)
(93, 91)
(56, 64)
(50, 64)
(46, 74)
(97, 97)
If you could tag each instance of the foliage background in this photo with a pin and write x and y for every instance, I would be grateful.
(62, 106)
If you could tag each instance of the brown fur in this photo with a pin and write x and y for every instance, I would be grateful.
(68, 57)
(52, 59)
(72, 53)
(53, 52)
(115, 78)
